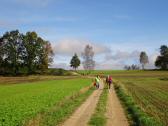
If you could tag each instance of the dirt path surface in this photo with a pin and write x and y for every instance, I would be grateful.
(82, 115)
(115, 113)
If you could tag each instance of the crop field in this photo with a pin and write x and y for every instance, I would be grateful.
(20, 103)
(32, 78)
(127, 74)
(151, 94)
(149, 90)
(47, 100)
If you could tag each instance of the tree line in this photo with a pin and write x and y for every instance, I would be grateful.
(89, 64)
(161, 60)
(28, 54)
(24, 53)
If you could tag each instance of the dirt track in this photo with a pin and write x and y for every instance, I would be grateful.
(82, 115)
(115, 113)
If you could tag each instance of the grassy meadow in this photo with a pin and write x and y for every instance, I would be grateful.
(21, 102)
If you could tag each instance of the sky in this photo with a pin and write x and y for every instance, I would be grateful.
(118, 30)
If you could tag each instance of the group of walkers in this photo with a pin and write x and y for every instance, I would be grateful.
(108, 80)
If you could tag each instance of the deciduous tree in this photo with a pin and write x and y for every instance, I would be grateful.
(38, 52)
(18, 52)
(12, 51)
(162, 60)
(143, 59)
(88, 55)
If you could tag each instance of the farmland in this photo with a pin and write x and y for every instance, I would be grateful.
(49, 100)
(22, 102)
(128, 74)
(149, 90)
(151, 94)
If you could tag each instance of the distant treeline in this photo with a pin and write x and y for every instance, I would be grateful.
(161, 60)
(24, 53)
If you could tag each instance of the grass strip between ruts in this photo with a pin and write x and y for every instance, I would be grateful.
(137, 116)
(99, 118)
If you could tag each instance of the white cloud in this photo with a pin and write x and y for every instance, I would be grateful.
(118, 59)
(152, 59)
(106, 57)
(71, 46)
(123, 55)
(110, 64)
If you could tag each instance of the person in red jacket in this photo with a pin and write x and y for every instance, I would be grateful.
(110, 81)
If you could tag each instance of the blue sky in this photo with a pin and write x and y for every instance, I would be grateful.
(117, 29)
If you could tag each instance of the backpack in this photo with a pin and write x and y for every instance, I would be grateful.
(110, 79)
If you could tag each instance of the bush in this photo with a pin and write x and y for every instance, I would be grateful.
(58, 72)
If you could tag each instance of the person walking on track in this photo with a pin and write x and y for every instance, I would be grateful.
(109, 81)
(97, 80)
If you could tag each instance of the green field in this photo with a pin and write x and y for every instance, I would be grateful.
(20, 103)
(151, 94)
(125, 73)
(149, 90)
(49, 100)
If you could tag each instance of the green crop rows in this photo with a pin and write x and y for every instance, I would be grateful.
(151, 94)
(22, 102)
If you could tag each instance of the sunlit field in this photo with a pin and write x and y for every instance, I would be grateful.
(149, 90)
(19, 103)
(127, 73)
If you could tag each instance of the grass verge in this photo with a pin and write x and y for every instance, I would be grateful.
(99, 118)
(62, 111)
(135, 113)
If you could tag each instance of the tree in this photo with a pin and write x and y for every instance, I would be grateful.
(32, 51)
(12, 51)
(38, 54)
(88, 55)
(126, 67)
(45, 56)
(75, 61)
(143, 59)
(2, 52)
(162, 60)
(134, 67)
(131, 67)
(24, 53)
